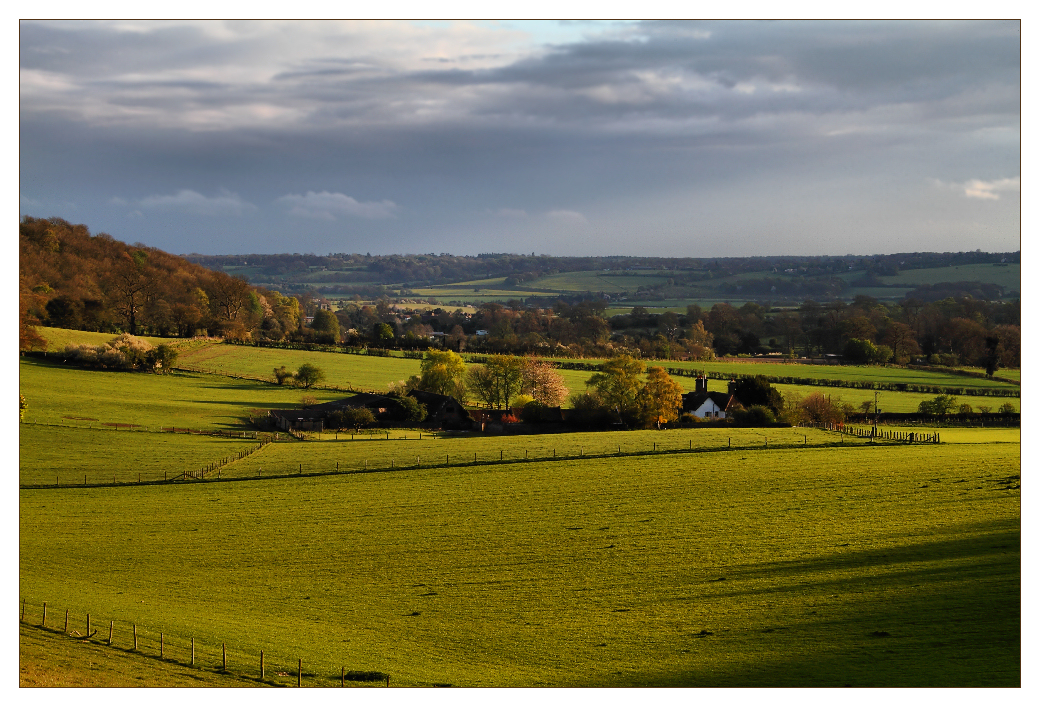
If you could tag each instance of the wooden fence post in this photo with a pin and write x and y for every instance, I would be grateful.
(162, 646)
(23, 610)
(223, 654)
(112, 623)
(193, 651)
(135, 637)
(299, 674)
(343, 676)
(88, 625)
(44, 614)
(261, 665)
(66, 629)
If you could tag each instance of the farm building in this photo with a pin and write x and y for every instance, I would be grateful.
(306, 419)
(441, 411)
(701, 403)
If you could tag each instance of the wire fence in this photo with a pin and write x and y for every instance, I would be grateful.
(389, 459)
(879, 434)
(262, 665)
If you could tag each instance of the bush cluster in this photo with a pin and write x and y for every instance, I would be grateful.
(124, 353)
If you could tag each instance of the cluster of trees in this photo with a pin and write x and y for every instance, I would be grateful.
(947, 404)
(502, 382)
(401, 408)
(124, 353)
(619, 393)
(307, 376)
(945, 332)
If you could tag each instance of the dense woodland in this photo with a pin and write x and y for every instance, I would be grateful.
(72, 279)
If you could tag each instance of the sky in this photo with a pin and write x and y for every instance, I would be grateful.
(673, 139)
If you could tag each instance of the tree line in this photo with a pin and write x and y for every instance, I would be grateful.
(71, 279)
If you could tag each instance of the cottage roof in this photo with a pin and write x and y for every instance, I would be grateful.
(723, 401)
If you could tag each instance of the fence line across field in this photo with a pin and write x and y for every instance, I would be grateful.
(213, 471)
(226, 656)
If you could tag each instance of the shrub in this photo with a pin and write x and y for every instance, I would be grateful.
(409, 410)
(754, 416)
(283, 374)
(939, 405)
(124, 353)
(356, 417)
(309, 375)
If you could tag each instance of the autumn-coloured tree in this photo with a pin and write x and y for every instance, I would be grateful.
(660, 397)
(543, 383)
(29, 302)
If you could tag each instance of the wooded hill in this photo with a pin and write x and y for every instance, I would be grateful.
(72, 279)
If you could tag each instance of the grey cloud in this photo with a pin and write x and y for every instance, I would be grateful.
(328, 206)
(652, 115)
(192, 202)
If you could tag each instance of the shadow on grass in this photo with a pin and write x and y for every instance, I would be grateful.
(934, 614)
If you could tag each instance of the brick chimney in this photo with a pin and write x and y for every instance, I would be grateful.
(701, 386)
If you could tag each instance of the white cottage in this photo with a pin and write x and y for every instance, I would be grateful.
(705, 405)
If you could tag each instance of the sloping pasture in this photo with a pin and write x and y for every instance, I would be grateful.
(53, 454)
(882, 566)
(64, 395)
(58, 339)
(343, 370)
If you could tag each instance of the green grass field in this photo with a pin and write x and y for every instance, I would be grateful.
(890, 565)
(63, 395)
(53, 454)
(887, 566)
(58, 339)
(1008, 276)
(343, 370)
